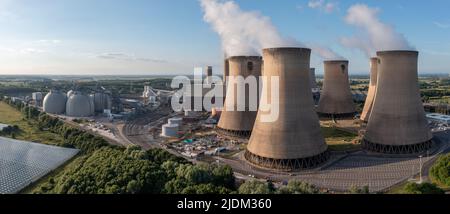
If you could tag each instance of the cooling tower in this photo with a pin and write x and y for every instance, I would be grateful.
(295, 140)
(79, 105)
(336, 99)
(372, 90)
(397, 124)
(234, 122)
(226, 69)
(55, 102)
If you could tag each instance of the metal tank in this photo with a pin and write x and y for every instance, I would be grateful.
(397, 124)
(170, 130)
(233, 122)
(295, 140)
(55, 102)
(336, 99)
(372, 90)
(79, 105)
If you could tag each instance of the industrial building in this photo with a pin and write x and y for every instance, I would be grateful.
(397, 123)
(336, 98)
(55, 102)
(102, 101)
(295, 140)
(79, 105)
(439, 118)
(372, 90)
(235, 122)
(37, 98)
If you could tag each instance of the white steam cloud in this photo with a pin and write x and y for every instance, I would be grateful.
(375, 35)
(242, 32)
(325, 53)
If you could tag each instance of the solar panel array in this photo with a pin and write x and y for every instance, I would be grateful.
(22, 163)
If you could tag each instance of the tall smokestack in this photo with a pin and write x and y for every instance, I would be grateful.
(312, 75)
(372, 90)
(397, 124)
(234, 122)
(295, 140)
(336, 99)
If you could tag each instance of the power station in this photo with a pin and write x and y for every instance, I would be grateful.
(372, 90)
(336, 98)
(234, 121)
(397, 123)
(295, 140)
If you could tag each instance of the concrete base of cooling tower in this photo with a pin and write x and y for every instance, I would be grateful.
(397, 149)
(233, 133)
(337, 116)
(287, 164)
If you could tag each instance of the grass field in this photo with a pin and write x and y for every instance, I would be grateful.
(28, 129)
(339, 140)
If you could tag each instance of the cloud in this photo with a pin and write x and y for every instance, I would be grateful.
(322, 5)
(128, 57)
(441, 25)
(324, 52)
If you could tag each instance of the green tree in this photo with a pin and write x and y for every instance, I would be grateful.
(440, 171)
(423, 188)
(254, 187)
(298, 187)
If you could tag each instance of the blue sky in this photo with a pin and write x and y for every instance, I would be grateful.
(123, 37)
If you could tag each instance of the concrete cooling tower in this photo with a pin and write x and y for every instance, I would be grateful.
(295, 140)
(234, 122)
(55, 102)
(79, 105)
(397, 124)
(336, 99)
(226, 69)
(372, 90)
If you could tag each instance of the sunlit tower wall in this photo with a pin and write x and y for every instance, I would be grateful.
(372, 90)
(397, 124)
(336, 99)
(295, 140)
(234, 122)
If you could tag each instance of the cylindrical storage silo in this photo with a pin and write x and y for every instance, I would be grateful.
(235, 121)
(336, 99)
(372, 90)
(170, 130)
(295, 140)
(55, 102)
(176, 120)
(397, 124)
(102, 101)
(79, 105)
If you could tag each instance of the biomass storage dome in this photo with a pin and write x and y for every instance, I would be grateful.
(79, 105)
(55, 102)
(235, 121)
(70, 93)
(397, 124)
(372, 90)
(336, 99)
(294, 140)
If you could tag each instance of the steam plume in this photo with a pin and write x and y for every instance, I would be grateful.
(242, 32)
(375, 35)
(325, 53)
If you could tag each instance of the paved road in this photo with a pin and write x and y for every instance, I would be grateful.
(356, 169)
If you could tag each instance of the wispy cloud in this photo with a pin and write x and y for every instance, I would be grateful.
(442, 25)
(128, 57)
(323, 5)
